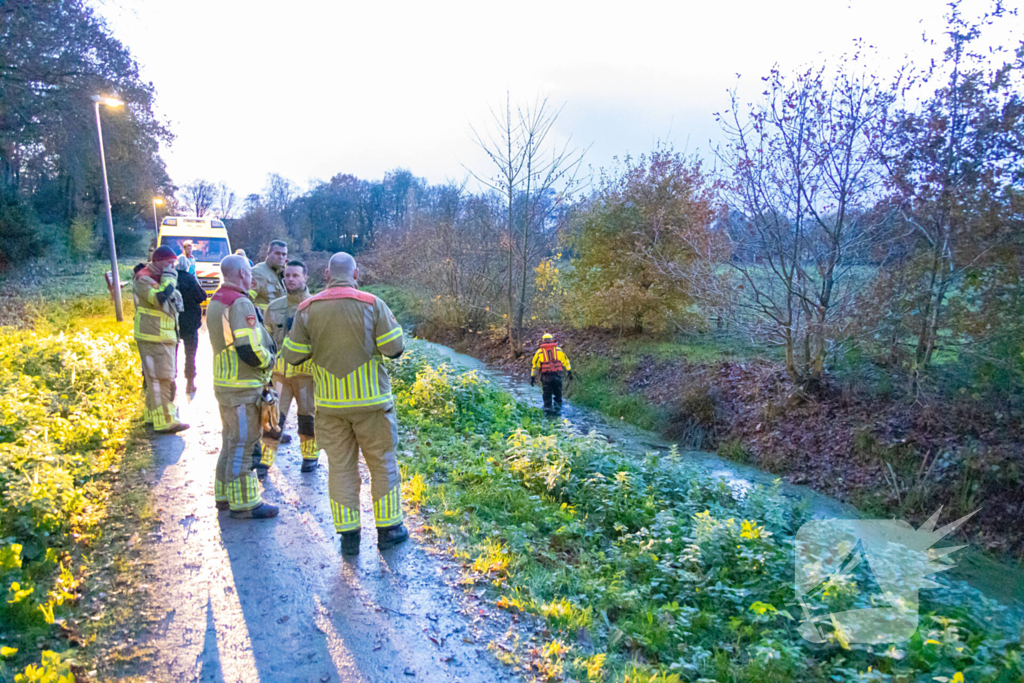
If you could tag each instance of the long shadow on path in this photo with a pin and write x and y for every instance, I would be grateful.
(248, 600)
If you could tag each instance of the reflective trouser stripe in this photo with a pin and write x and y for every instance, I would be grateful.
(220, 491)
(345, 519)
(307, 446)
(269, 452)
(239, 435)
(388, 510)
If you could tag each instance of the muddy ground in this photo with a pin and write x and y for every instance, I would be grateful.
(248, 600)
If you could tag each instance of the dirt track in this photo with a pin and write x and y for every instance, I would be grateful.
(275, 601)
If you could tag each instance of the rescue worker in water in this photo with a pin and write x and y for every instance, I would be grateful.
(550, 362)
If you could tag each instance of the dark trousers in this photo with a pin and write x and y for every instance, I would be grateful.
(191, 343)
(551, 383)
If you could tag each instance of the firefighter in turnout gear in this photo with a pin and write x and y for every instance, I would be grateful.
(268, 276)
(243, 355)
(291, 381)
(157, 304)
(550, 362)
(347, 333)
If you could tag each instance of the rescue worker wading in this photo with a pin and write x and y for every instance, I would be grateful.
(243, 355)
(291, 381)
(550, 362)
(346, 333)
(157, 303)
(268, 276)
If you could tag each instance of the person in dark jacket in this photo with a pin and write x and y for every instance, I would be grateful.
(189, 322)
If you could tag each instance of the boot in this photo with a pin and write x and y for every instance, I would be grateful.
(389, 537)
(309, 465)
(350, 543)
(261, 472)
(261, 511)
(174, 429)
(223, 505)
(286, 438)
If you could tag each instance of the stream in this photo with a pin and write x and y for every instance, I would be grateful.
(1002, 581)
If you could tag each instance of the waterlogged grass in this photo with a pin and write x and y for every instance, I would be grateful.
(68, 400)
(644, 570)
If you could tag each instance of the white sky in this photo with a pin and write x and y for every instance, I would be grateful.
(311, 88)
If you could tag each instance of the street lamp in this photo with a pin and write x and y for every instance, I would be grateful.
(156, 202)
(116, 280)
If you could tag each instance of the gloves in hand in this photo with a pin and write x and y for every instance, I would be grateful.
(179, 303)
(270, 414)
(533, 380)
(569, 375)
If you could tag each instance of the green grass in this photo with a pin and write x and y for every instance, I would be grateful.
(671, 575)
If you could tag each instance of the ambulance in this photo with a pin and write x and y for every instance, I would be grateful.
(209, 240)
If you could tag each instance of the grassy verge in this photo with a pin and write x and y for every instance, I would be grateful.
(645, 571)
(68, 410)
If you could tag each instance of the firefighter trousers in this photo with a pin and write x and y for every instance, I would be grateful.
(300, 388)
(240, 430)
(551, 385)
(159, 368)
(343, 436)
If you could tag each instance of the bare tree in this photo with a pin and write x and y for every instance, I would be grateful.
(533, 175)
(804, 175)
(199, 196)
(227, 201)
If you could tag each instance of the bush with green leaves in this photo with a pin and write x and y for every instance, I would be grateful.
(666, 572)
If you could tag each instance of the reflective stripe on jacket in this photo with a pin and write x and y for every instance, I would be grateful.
(549, 359)
(233, 323)
(154, 321)
(278, 320)
(346, 333)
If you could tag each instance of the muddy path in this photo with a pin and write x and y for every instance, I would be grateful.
(248, 600)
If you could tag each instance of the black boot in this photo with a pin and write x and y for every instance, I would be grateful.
(389, 537)
(309, 465)
(261, 511)
(223, 505)
(286, 438)
(350, 543)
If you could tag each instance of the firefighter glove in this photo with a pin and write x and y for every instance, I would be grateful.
(569, 374)
(533, 380)
(269, 412)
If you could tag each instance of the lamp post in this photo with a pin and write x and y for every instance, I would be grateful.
(115, 278)
(156, 202)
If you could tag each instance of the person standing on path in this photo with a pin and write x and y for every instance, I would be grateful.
(186, 261)
(550, 362)
(157, 304)
(347, 333)
(243, 355)
(291, 381)
(268, 276)
(189, 321)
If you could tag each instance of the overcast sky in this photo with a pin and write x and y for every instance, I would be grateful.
(311, 88)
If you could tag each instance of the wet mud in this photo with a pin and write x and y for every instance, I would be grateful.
(273, 600)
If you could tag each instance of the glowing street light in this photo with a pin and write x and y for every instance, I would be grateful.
(156, 202)
(115, 278)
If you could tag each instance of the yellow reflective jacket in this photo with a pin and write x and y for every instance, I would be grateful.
(235, 327)
(155, 321)
(267, 285)
(346, 333)
(278, 320)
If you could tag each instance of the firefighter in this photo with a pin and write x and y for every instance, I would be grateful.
(347, 333)
(268, 277)
(157, 304)
(291, 381)
(243, 355)
(550, 362)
